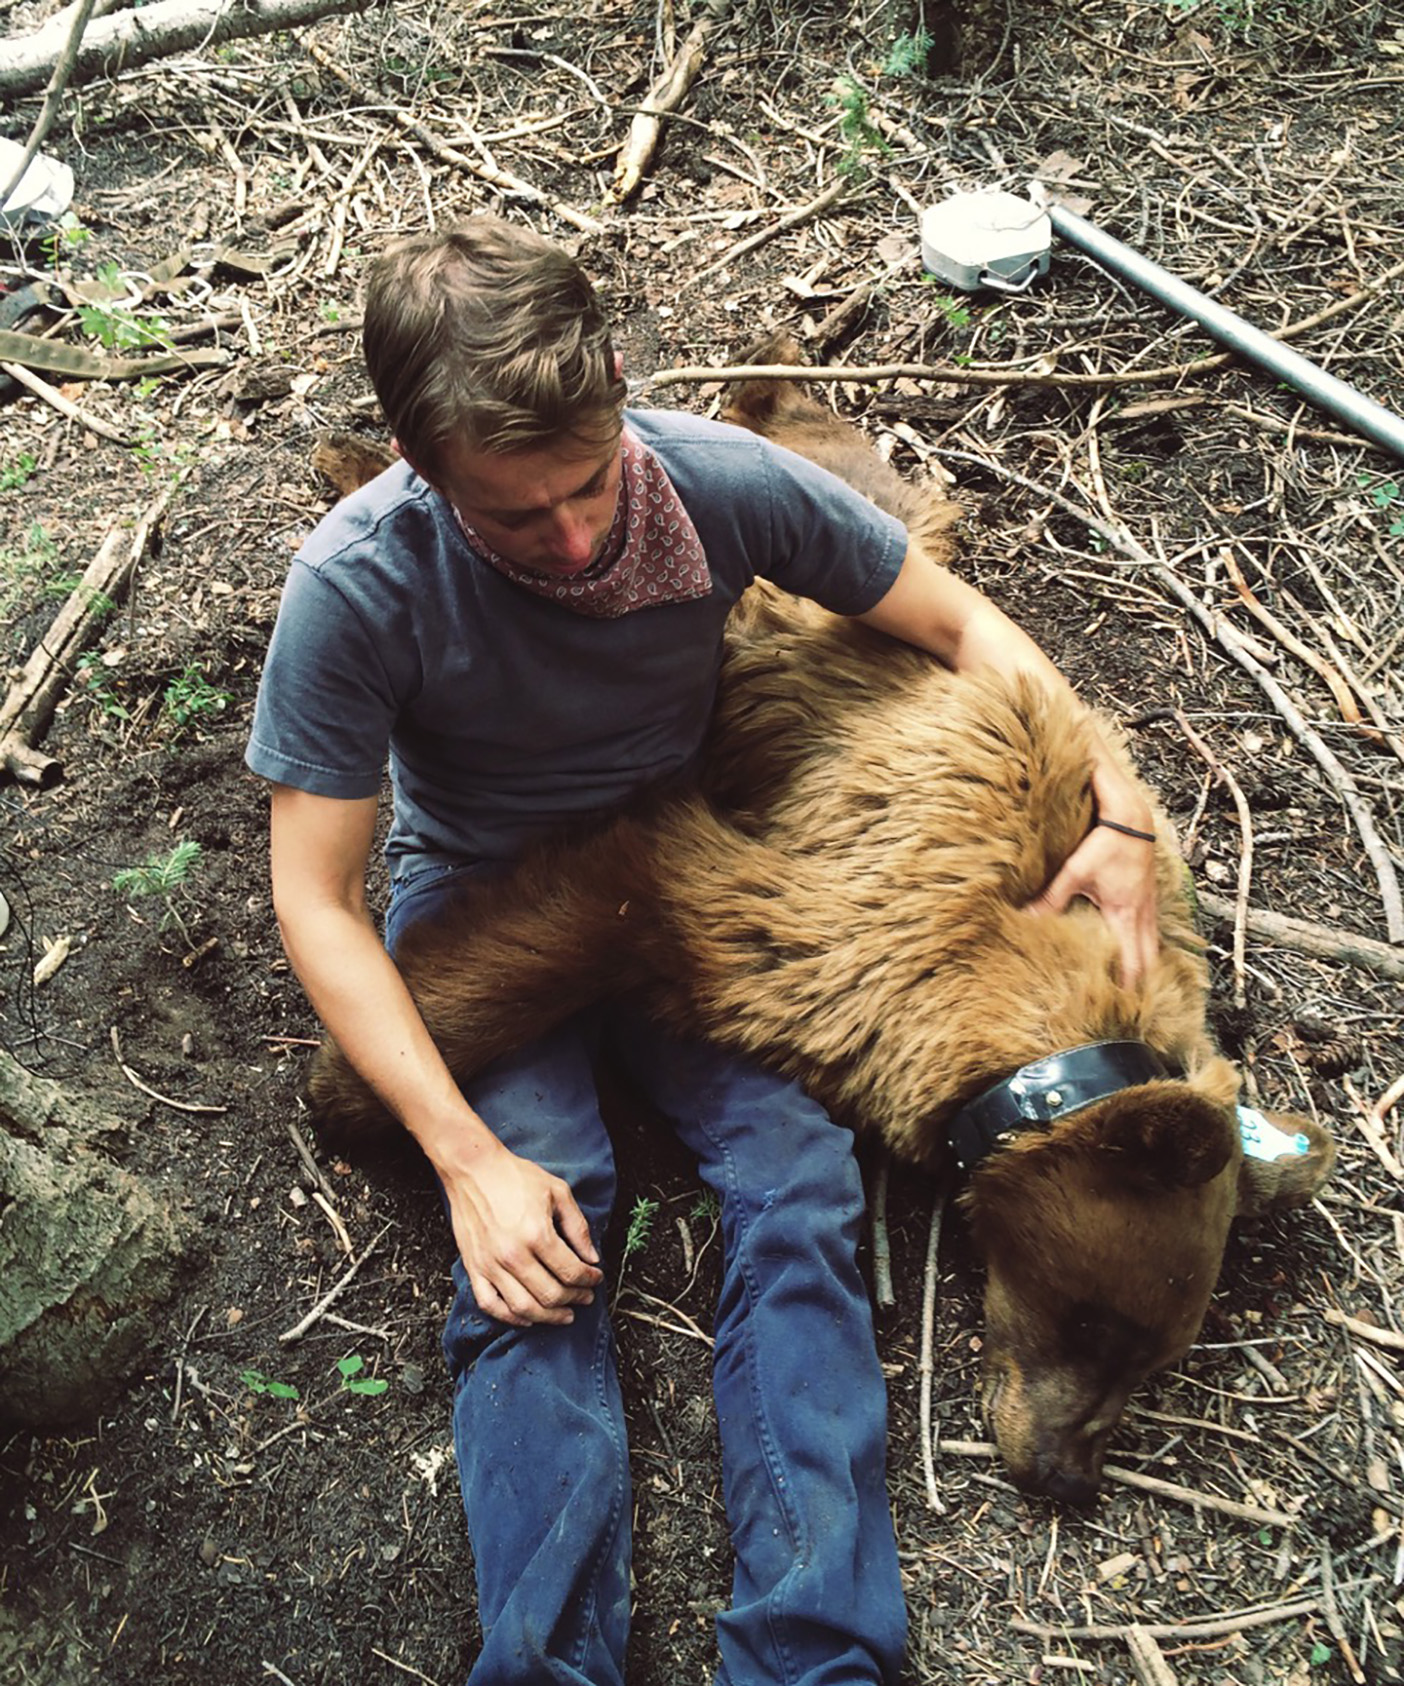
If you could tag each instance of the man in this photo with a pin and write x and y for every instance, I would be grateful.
(526, 615)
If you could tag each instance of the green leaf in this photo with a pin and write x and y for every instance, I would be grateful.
(1320, 1654)
(351, 1366)
(371, 1384)
(257, 1382)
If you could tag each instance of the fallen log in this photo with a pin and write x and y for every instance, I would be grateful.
(1302, 936)
(27, 710)
(123, 40)
(665, 95)
(90, 1255)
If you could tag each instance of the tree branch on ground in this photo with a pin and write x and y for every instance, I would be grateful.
(123, 40)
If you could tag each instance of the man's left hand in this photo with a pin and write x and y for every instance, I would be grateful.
(1116, 874)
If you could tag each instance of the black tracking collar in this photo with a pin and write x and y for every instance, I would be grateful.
(1045, 1090)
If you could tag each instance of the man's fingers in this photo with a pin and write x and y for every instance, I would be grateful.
(492, 1304)
(571, 1222)
(521, 1303)
(1055, 897)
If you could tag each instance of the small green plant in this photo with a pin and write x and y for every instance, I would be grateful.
(856, 127)
(706, 1208)
(161, 877)
(64, 236)
(636, 1235)
(956, 314)
(28, 571)
(95, 681)
(354, 1381)
(329, 312)
(116, 327)
(908, 53)
(19, 472)
(1385, 494)
(640, 1225)
(256, 1382)
(190, 699)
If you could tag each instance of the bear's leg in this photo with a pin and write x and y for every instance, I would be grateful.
(538, 1423)
(817, 1598)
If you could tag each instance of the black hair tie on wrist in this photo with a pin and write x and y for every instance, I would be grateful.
(1125, 830)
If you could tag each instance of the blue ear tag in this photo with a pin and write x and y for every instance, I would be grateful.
(1263, 1140)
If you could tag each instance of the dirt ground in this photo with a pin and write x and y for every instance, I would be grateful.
(211, 1523)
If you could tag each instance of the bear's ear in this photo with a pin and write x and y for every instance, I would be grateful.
(1164, 1136)
(1286, 1158)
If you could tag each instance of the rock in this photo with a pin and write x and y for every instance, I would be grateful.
(89, 1255)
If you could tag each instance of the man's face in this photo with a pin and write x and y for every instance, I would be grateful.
(548, 508)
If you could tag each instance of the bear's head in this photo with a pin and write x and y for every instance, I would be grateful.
(1103, 1239)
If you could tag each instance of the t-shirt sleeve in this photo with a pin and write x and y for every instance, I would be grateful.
(325, 702)
(828, 542)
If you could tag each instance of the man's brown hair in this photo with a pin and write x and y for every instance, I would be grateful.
(487, 334)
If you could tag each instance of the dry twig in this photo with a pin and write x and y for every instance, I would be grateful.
(666, 94)
(1304, 936)
(333, 1294)
(928, 1344)
(1245, 858)
(483, 168)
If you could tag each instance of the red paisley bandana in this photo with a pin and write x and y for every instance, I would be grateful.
(652, 555)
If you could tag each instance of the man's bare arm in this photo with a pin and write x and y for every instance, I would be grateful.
(525, 1243)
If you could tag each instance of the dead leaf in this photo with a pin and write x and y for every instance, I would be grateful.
(1059, 167)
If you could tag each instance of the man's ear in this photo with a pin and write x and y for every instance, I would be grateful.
(1268, 1180)
(400, 451)
(1164, 1136)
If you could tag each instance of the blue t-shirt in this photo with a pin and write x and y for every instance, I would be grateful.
(505, 715)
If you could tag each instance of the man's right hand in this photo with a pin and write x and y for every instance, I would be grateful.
(525, 1243)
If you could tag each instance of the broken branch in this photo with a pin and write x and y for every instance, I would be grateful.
(27, 710)
(124, 40)
(1305, 937)
(666, 95)
(484, 168)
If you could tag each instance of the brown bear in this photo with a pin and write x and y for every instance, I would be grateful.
(845, 898)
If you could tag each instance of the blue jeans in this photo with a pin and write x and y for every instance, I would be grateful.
(801, 1404)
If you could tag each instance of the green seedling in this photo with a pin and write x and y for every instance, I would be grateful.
(256, 1382)
(96, 683)
(64, 236)
(636, 1235)
(28, 572)
(115, 327)
(908, 53)
(1384, 494)
(192, 700)
(956, 313)
(706, 1207)
(18, 473)
(856, 127)
(164, 878)
(640, 1226)
(352, 1379)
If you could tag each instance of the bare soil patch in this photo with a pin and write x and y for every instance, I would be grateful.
(207, 1524)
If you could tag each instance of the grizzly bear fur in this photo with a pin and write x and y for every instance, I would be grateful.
(845, 898)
